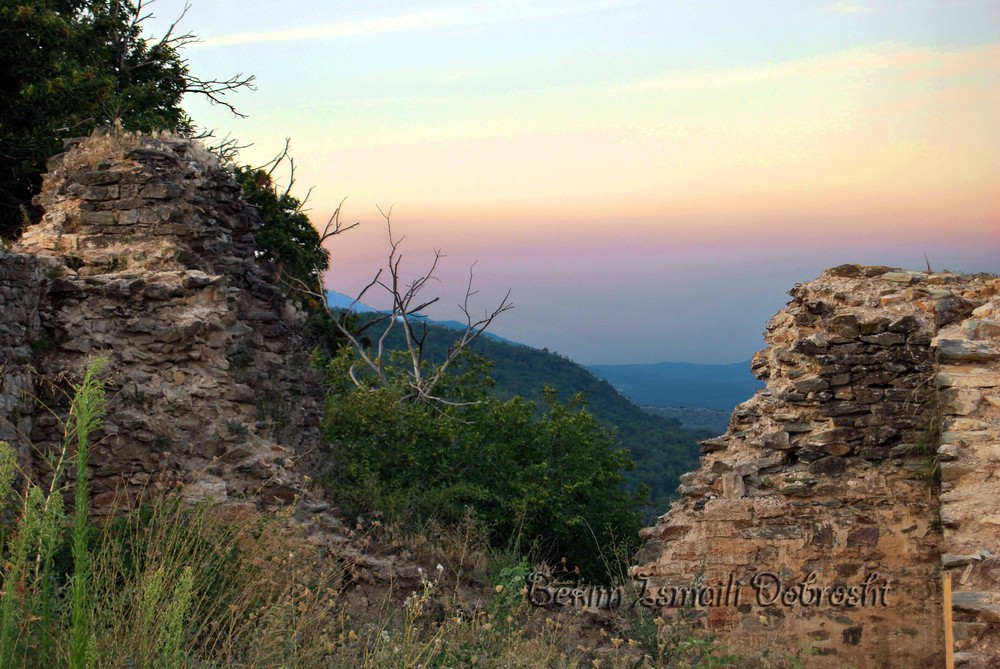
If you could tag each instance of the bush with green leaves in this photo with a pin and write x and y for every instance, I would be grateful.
(550, 480)
(286, 237)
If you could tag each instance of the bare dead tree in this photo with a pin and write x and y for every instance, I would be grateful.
(226, 148)
(407, 302)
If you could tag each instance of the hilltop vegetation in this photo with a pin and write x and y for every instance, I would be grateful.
(68, 67)
(661, 448)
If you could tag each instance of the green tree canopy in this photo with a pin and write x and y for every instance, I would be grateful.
(287, 237)
(551, 481)
(70, 66)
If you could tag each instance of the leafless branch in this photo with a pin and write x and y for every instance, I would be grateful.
(226, 148)
(273, 163)
(334, 226)
(406, 307)
(215, 89)
(172, 42)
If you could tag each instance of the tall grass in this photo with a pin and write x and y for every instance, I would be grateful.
(166, 585)
(87, 410)
(169, 585)
(29, 593)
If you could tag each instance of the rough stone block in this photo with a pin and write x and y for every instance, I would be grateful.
(964, 350)
(967, 377)
(873, 325)
(97, 218)
(902, 277)
(828, 466)
(959, 401)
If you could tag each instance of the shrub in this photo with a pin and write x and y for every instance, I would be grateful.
(549, 479)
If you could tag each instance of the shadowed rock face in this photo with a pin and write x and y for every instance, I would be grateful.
(145, 256)
(879, 383)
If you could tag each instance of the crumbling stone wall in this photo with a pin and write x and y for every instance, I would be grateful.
(827, 479)
(149, 261)
(968, 378)
(22, 283)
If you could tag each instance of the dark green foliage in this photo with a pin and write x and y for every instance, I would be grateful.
(550, 478)
(286, 238)
(67, 67)
(661, 448)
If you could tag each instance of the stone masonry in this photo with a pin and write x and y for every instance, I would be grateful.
(22, 284)
(968, 380)
(841, 490)
(145, 256)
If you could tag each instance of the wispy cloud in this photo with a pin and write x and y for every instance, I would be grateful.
(409, 22)
(892, 6)
(910, 62)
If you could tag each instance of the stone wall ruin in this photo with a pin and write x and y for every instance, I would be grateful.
(867, 462)
(145, 256)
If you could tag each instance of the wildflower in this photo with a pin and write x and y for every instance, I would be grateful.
(499, 588)
(616, 642)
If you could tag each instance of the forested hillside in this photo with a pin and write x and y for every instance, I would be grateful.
(661, 448)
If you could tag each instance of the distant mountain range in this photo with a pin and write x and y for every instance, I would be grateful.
(714, 421)
(337, 300)
(682, 384)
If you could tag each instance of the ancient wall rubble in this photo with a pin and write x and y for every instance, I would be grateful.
(879, 382)
(145, 256)
(968, 380)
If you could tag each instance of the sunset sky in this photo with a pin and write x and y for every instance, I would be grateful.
(648, 178)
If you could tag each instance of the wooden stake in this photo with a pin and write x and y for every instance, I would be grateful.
(949, 632)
